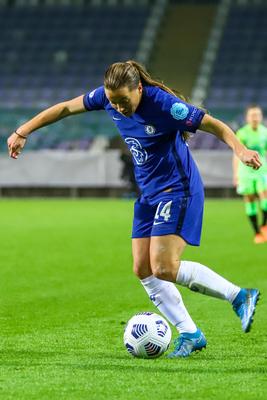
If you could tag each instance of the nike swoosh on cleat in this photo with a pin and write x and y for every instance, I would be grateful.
(253, 299)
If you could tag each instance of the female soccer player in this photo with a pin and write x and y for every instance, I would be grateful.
(250, 183)
(168, 215)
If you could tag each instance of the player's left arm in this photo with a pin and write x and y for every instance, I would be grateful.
(225, 134)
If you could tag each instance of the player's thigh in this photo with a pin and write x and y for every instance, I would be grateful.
(178, 221)
(141, 232)
(263, 195)
(165, 255)
(249, 198)
(262, 186)
(141, 257)
(247, 188)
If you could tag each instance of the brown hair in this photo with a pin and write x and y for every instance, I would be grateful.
(129, 74)
(253, 106)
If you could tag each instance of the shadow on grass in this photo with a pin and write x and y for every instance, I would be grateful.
(122, 363)
(178, 368)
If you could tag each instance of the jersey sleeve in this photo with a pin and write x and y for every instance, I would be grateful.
(241, 136)
(95, 100)
(182, 115)
(265, 140)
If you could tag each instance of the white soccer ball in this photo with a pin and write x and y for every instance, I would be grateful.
(147, 335)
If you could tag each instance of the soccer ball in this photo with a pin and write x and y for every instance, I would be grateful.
(147, 335)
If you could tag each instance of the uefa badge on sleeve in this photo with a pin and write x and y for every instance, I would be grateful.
(179, 111)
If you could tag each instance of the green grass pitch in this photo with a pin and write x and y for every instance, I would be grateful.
(67, 289)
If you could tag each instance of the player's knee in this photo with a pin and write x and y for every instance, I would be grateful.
(161, 270)
(165, 269)
(141, 270)
(249, 198)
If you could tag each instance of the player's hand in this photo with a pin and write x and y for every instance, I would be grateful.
(250, 158)
(15, 144)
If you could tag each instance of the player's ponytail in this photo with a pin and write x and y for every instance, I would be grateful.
(146, 78)
(129, 74)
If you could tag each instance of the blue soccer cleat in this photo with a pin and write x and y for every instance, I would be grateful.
(187, 343)
(244, 306)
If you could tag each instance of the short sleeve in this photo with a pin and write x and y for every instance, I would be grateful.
(240, 136)
(266, 140)
(95, 100)
(184, 116)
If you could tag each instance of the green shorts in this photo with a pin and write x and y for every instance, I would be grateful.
(252, 185)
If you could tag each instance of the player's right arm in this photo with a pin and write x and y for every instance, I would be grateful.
(236, 160)
(235, 170)
(17, 139)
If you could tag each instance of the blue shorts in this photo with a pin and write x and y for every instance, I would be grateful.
(170, 215)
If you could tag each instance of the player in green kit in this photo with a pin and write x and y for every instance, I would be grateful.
(250, 183)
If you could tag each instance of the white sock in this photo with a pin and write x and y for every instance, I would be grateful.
(168, 300)
(201, 279)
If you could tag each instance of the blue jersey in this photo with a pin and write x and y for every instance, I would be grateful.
(161, 157)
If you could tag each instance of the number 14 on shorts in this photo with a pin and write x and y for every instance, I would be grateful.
(164, 211)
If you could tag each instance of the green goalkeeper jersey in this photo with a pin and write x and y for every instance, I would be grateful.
(253, 140)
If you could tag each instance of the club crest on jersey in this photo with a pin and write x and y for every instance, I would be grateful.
(179, 111)
(150, 129)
